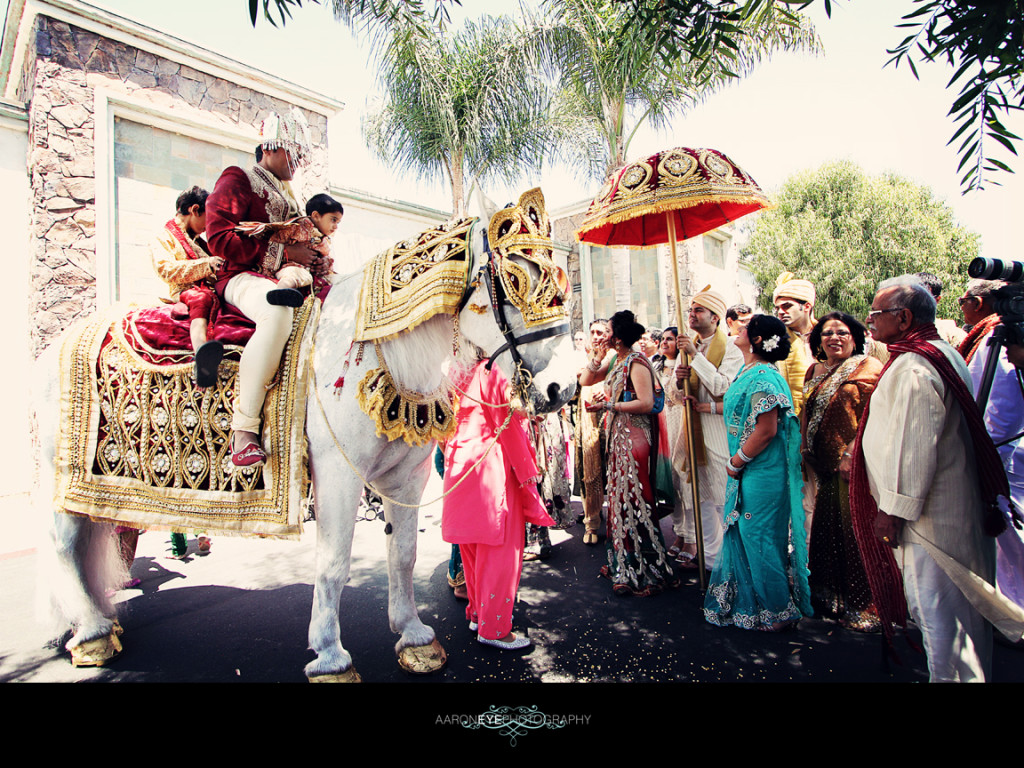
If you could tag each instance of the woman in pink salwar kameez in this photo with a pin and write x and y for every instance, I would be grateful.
(487, 504)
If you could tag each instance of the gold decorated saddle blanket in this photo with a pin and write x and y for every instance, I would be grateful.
(416, 279)
(142, 446)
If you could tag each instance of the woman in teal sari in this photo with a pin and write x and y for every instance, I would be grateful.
(760, 578)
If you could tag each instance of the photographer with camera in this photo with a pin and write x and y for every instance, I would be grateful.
(993, 308)
(976, 306)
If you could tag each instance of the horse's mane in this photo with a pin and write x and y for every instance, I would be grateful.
(420, 359)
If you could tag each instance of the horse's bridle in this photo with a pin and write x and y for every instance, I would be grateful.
(496, 293)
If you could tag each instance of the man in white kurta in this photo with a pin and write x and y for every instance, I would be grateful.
(921, 470)
(714, 361)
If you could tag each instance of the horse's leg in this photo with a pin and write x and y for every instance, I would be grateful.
(417, 649)
(87, 564)
(336, 500)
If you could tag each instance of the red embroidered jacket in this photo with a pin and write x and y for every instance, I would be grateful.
(233, 201)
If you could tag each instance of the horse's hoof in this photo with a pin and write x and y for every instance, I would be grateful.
(348, 676)
(97, 652)
(423, 659)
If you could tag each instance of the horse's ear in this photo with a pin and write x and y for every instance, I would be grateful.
(480, 205)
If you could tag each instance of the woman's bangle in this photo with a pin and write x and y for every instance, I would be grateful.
(594, 366)
(732, 466)
(743, 457)
(712, 407)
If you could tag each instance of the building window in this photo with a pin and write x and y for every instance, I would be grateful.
(714, 251)
(645, 287)
(152, 166)
(626, 279)
(602, 276)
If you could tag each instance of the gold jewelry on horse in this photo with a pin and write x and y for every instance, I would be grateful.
(397, 412)
(423, 659)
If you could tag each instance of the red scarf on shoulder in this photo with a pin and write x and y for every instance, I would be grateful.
(883, 574)
(969, 346)
(182, 238)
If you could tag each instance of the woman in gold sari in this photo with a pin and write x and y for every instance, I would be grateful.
(836, 390)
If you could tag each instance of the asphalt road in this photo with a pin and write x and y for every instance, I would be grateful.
(240, 614)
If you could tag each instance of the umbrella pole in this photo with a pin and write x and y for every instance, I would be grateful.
(690, 413)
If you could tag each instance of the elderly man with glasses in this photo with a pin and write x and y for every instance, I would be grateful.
(924, 483)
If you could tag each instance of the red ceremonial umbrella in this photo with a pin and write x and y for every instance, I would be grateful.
(673, 195)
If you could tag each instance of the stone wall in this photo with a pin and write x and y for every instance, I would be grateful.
(59, 83)
(564, 231)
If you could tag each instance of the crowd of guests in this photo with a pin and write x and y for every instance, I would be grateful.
(810, 502)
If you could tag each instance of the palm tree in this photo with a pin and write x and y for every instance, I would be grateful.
(466, 106)
(614, 76)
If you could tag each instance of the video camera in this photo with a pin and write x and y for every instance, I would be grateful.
(1007, 301)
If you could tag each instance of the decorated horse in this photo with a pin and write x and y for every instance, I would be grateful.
(363, 392)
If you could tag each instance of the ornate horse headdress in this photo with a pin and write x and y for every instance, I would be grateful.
(524, 230)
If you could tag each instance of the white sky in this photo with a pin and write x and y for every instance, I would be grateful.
(796, 112)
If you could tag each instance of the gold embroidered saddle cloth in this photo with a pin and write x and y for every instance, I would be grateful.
(142, 446)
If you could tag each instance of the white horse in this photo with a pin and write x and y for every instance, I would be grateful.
(344, 455)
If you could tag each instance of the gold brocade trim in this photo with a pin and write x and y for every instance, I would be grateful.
(281, 205)
(666, 205)
(397, 412)
(141, 445)
(414, 280)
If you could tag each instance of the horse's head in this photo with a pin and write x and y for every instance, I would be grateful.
(517, 308)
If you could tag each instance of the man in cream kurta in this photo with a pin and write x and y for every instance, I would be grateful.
(714, 363)
(921, 470)
(588, 436)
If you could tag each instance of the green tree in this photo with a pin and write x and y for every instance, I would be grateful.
(846, 231)
(468, 106)
(368, 14)
(611, 75)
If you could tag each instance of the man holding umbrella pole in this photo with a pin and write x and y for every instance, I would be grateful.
(671, 196)
(713, 364)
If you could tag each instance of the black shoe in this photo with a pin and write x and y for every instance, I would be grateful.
(285, 297)
(208, 358)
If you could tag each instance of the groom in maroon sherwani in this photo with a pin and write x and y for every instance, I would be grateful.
(261, 194)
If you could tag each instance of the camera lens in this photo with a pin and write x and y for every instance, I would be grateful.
(996, 269)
